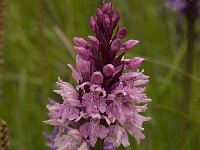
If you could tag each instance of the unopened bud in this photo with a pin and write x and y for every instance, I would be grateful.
(106, 22)
(115, 46)
(97, 78)
(107, 8)
(80, 42)
(121, 33)
(94, 41)
(134, 63)
(93, 24)
(109, 70)
(130, 44)
(115, 18)
(83, 53)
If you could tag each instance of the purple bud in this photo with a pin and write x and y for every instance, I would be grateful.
(93, 24)
(121, 33)
(76, 75)
(94, 41)
(83, 66)
(115, 46)
(130, 44)
(134, 63)
(109, 70)
(107, 8)
(99, 14)
(115, 18)
(83, 53)
(80, 42)
(97, 78)
(106, 22)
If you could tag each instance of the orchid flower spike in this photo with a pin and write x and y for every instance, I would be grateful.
(106, 102)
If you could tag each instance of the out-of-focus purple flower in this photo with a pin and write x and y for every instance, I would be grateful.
(198, 7)
(106, 102)
(175, 5)
(189, 8)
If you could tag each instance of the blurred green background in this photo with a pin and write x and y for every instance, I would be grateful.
(38, 47)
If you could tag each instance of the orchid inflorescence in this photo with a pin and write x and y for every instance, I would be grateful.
(106, 103)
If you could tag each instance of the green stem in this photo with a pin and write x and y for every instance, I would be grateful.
(187, 80)
(99, 145)
(2, 14)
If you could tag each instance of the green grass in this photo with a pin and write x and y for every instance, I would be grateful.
(30, 76)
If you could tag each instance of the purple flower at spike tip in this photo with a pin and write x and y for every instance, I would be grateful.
(106, 102)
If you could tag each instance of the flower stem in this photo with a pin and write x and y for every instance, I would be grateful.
(2, 14)
(187, 79)
(99, 145)
(41, 42)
